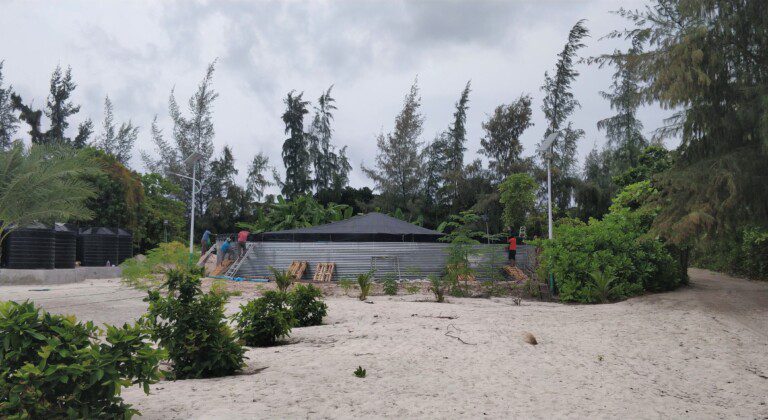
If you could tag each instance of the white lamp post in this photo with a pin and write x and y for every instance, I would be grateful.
(192, 160)
(546, 148)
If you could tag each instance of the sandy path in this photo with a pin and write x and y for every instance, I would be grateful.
(700, 352)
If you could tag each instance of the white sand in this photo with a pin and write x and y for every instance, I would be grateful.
(700, 352)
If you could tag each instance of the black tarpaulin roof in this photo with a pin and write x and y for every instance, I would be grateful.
(371, 227)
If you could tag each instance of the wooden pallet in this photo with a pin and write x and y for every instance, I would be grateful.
(324, 272)
(515, 274)
(221, 268)
(297, 269)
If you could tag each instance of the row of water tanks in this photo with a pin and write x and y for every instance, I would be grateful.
(38, 246)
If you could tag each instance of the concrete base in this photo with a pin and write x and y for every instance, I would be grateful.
(57, 276)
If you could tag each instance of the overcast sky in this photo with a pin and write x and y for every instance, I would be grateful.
(371, 51)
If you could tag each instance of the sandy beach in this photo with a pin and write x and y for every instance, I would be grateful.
(699, 352)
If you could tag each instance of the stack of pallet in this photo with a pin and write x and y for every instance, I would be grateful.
(297, 269)
(324, 272)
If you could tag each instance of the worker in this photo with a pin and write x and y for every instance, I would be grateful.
(242, 238)
(205, 242)
(225, 250)
(512, 247)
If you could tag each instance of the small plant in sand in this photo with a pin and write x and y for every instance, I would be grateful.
(346, 285)
(412, 289)
(360, 372)
(262, 321)
(365, 283)
(283, 279)
(390, 286)
(437, 285)
(192, 327)
(306, 305)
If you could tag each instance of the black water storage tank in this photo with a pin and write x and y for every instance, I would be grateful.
(30, 247)
(124, 245)
(66, 245)
(98, 246)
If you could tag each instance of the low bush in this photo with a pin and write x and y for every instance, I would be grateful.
(262, 321)
(306, 304)
(754, 253)
(147, 271)
(390, 286)
(437, 285)
(192, 327)
(412, 289)
(52, 366)
(346, 285)
(365, 283)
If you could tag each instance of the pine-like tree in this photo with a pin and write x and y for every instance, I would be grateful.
(501, 142)
(454, 150)
(58, 107)
(115, 141)
(296, 157)
(257, 180)
(559, 104)
(397, 174)
(8, 121)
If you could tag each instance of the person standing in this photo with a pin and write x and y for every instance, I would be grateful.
(242, 238)
(512, 248)
(205, 242)
(225, 250)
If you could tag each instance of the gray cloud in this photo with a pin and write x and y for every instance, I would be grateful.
(371, 51)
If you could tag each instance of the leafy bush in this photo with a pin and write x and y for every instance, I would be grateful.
(283, 279)
(390, 286)
(365, 282)
(306, 305)
(754, 253)
(360, 372)
(52, 366)
(437, 286)
(616, 244)
(261, 322)
(602, 289)
(412, 289)
(192, 327)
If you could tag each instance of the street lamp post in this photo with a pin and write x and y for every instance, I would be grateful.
(192, 160)
(547, 147)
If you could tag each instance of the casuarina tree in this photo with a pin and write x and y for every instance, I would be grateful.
(296, 157)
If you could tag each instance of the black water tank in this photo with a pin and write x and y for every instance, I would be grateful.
(66, 245)
(124, 245)
(30, 247)
(97, 247)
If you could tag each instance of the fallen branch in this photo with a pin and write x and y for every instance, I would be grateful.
(448, 334)
(438, 316)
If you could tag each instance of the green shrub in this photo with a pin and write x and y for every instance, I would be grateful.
(390, 286)
(412, 289)
(283, 279)
(346, 285)
(306, 305)
(616, 244)
(192, 327)
(52, 366)
(146, 271)
(365, 282)
(754, 253)
(437, 285)
(261, 322)
(602, 289)
(360, 372)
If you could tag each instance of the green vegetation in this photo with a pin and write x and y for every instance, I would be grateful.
(346, 285)
(43, 183)
(518, 195)
(192, 327)
(365, 283)
(307, 306)
(390, 286)
(437, 285)
(147, 271)
(52, 366)
(360, 372)
(283, 279)
(262, 321)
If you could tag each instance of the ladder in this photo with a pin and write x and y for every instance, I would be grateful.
(240, 259)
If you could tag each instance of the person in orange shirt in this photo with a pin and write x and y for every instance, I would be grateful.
(242, 238)
(512, 247)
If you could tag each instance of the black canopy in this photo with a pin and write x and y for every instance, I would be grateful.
(371, 227)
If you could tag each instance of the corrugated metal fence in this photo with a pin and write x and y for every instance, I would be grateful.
(406, 260)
